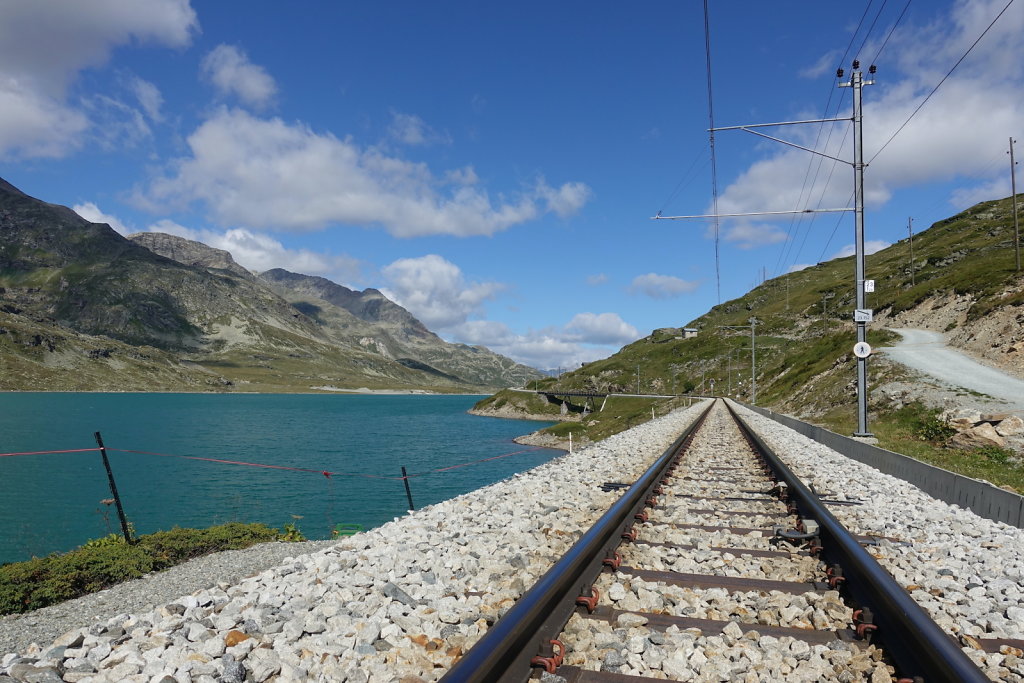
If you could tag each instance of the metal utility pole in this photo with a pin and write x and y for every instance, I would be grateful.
(638, 378)
(753, 355)
(753, 363)
(862, 315)
(1013, 191)
(910, 231)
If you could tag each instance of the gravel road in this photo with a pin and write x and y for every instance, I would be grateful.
(926, 352)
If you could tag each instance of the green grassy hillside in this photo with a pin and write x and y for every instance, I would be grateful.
(805, 333)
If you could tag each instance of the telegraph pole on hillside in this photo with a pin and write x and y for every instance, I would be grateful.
(1013, 191)
(910, 231)
(753, 356)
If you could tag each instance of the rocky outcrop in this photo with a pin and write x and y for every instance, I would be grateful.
(189, 252)
(979, 430)
(371, 321)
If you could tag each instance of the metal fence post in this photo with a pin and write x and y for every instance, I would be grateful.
(113, 489)
(408, 491)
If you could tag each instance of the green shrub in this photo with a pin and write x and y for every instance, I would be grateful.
(934, 429)
(292, 533)
(107, 561)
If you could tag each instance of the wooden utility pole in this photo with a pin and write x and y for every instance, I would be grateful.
(910, 231)
(1013, 191)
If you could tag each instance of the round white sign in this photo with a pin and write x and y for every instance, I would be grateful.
(862, 349)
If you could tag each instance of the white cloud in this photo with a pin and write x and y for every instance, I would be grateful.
(266, 173)
(253, 250)
(435, 291)
(870, 247)
(796, 267)
(32, 124)
(90, 212)
(950, 138)
(114, 123)
(410, 129)
(966, 197)
(565, 200)
(661, 286)
(751, 235)
(595, 280)
(43, 47)
(546, 349)
(828, 62)
(149, 97)
(229, 70)
(601, 328)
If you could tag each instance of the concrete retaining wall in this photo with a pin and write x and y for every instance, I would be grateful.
(981, 497)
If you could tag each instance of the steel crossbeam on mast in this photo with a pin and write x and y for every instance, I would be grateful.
(862, 314)
(659, 217)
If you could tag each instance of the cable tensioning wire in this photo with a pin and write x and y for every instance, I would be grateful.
(325, 473)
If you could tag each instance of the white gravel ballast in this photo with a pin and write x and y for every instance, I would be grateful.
(965, 570)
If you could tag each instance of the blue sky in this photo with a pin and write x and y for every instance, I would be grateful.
(494, 168)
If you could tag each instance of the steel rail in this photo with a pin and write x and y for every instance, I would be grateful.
(526, 630)
(912, 641)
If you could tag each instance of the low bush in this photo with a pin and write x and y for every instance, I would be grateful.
(107, 561)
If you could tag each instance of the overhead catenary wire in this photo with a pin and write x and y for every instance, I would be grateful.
(688, 177)
(815, 163)
(874, 59)
(711, 140)
(892, 30)
(939, 84)
(871, 28)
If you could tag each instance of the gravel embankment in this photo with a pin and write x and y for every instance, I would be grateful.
(18, 631)
(405, 599)
(965, 570)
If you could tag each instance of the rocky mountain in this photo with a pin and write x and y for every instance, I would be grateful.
(84, 308)
(373, 322)
(189, 252)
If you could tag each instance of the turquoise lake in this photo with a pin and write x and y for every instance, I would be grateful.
(51, 502)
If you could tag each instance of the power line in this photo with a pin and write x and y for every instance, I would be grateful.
(948, 74)
(874, 60)
(686, 179)
(870, 28)
(892, 30)
(790, 238)
(711, 139)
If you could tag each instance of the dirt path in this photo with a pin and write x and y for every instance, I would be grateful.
(926, 352)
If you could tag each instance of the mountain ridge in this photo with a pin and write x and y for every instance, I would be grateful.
(84, 308)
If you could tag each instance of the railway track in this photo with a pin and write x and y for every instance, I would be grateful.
(717, 565)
